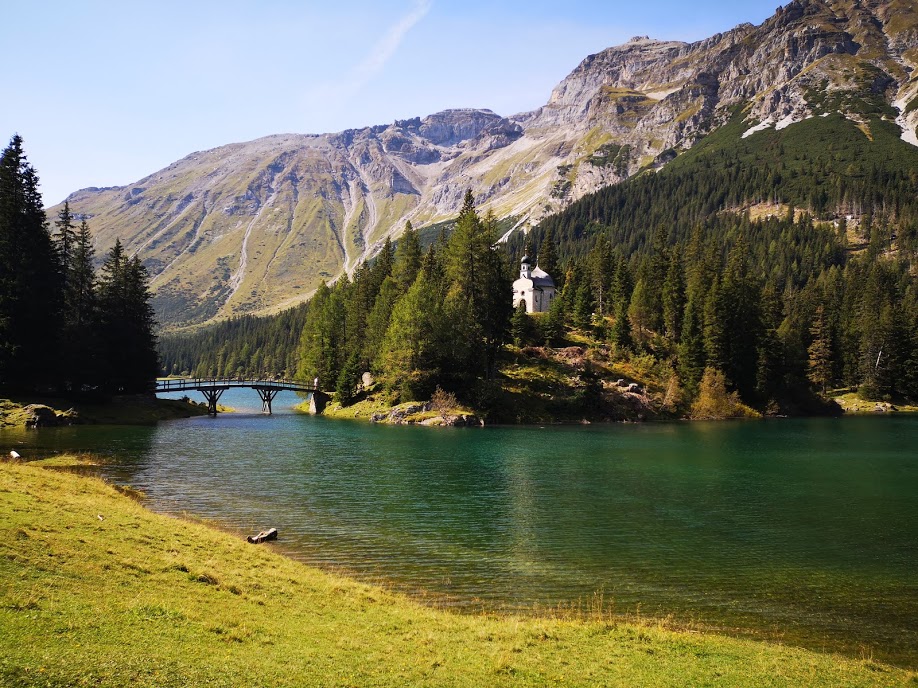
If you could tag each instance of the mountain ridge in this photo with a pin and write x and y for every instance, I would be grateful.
(252, 227)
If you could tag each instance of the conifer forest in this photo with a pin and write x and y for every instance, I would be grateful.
(65, 326)
(680, 265)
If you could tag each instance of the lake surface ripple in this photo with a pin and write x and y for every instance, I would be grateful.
(801, 530)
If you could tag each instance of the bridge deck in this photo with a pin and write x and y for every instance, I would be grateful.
(213, 387)
(208, 383)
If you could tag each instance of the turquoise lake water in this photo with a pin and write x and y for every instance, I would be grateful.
(802, 530)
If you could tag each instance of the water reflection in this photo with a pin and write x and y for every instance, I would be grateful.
(806, 526)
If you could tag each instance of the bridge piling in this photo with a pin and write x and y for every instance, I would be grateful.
(213, 396)
(213, 387)
(267, 396)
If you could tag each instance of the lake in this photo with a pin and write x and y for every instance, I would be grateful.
(802, 530)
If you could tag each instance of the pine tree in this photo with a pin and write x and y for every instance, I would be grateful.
(126, 324)
(65, 241)
(691, 358)
(548, 256)
(621, 330)
(80, 343)
(407, 258)
(409, 357)
(30, 285)
(673, 297)
(820, 351)
(519, 325)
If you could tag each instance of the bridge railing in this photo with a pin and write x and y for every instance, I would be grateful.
(184, 384)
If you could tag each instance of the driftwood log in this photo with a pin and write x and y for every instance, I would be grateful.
(263, 536)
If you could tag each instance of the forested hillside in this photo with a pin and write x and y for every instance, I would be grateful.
(782, 261)
(227, 232)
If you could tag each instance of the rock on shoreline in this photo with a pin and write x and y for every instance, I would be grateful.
(417, 414)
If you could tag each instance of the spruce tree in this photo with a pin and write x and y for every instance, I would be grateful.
(692, 359)
(548, 257)
(820, 351)
(553, 323)
(673, 297)
(126, 324)
(30, 285)
(65, 239)
(621, 330)
(410, 353)
(348, 379)
(80, 342)
(519, 325)
(407, 258)
(379, 317)
(478, 288)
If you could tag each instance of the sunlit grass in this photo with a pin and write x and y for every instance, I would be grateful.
(96, 590)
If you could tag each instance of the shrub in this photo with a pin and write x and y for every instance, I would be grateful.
(714, 402)
(444, 403)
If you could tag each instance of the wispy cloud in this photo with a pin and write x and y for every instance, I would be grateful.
(374, 61)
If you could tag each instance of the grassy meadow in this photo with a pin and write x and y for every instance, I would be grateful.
(97, 590)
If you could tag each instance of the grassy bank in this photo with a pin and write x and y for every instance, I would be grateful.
(124, 410)
(853, 404)
(96, 590)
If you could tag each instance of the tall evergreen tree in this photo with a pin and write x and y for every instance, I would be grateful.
(65, 239)
(80, 341)
(30, 286)
(408, 258)
(126, 324)
(479, 284)
(548, 257)
(410, 353)
(673, 298)
(820, 351)
(692, 357)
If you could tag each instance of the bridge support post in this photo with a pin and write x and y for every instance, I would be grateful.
(212, 396)
(317, 402)
(267, 396)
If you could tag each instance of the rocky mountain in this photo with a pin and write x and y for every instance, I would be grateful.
(254, 227)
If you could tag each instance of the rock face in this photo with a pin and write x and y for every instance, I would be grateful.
(41, 416)
(254, 227)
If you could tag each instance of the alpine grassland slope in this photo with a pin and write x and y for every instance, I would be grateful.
(255, 227)
(97, 590)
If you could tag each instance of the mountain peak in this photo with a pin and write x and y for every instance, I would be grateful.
(228, 231)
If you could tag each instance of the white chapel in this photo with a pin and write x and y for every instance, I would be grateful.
(535, 288)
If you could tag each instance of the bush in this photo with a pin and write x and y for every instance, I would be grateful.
(444, 403)
(714, 402)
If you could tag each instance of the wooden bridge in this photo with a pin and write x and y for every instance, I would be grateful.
(213, 387)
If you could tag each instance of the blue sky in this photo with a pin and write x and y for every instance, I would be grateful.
(105, 93)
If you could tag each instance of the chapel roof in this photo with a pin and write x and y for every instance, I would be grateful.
(540, 278)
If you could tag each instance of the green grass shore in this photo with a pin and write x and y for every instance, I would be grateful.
(97, 590)
(136, 409)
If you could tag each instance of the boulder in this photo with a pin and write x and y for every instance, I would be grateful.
(41, 416)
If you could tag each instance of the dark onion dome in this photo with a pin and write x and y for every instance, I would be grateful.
(525, 259)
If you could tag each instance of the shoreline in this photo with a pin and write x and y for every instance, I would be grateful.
(215, 604)
(419, 413)
(37, 411)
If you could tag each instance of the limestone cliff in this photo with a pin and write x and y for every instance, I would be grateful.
(253, 227)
